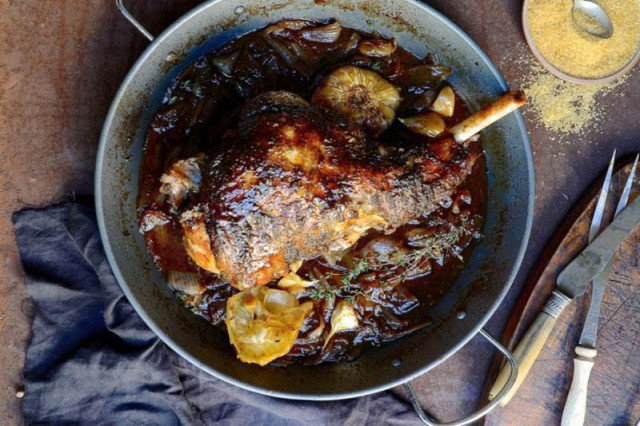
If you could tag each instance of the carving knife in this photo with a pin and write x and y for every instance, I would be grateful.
(571, 282)
(576, 405)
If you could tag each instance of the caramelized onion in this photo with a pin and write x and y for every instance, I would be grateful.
(424, 76)
(291, 53)
(186, 282)
(284, 28)
(413, 104)
(429, 124)
(225, 64)
(377, 47)
(325, 34)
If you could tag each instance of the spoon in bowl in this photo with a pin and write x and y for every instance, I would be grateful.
(592, 18)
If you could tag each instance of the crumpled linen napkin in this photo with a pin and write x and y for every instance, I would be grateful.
(92, 360)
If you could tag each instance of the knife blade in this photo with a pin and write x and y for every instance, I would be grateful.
(574, 279)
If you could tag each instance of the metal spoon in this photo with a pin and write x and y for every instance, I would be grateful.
(591, 12)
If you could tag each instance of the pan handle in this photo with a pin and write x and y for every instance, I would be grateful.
(428, 420)
(129, 17)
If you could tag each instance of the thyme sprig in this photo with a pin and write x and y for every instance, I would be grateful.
(361, 267)
(396, 266)
(321, 291)
(188, 302)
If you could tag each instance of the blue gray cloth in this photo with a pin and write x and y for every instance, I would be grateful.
(93, 361)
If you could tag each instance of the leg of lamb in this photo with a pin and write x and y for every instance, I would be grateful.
(299, 182)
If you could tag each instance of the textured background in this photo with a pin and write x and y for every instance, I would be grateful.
(61, 62)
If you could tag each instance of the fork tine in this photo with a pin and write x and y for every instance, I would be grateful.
(624, 198)
(594, 229)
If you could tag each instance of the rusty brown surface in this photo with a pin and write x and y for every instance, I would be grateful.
(61, 61)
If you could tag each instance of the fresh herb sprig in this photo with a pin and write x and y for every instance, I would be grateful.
(361, 267)
(394, 267)
(187, 300)
(321, 291)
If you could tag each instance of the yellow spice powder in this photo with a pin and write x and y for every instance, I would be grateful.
(568, 109)
(574, 51)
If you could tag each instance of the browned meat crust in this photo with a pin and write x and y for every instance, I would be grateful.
(298, 183)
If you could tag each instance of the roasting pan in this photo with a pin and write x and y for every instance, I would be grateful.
(456, 319)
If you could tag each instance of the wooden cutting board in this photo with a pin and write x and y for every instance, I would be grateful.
(614, 387)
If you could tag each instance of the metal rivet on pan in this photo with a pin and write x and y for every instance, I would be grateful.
(239, 10)
(461, 314)
(397, 362)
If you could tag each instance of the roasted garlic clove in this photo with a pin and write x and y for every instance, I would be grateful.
(444, 102)
(264, 323)
(196, 240)
(314, 334)
(329, 33)
(429, 124)
(308, 30)
(343, 318)
(360, 95)
(294, 283)
(186, 282)
(286, 27)
(294, 266)
(377, 47)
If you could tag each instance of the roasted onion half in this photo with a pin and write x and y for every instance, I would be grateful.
(361, 96)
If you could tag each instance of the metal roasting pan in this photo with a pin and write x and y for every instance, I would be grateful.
(457, 318)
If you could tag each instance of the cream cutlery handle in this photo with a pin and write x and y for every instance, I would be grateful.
(576, 406)
(530, 345)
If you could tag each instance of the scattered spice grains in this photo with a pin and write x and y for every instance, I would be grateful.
(577, 53)
(563, 107)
